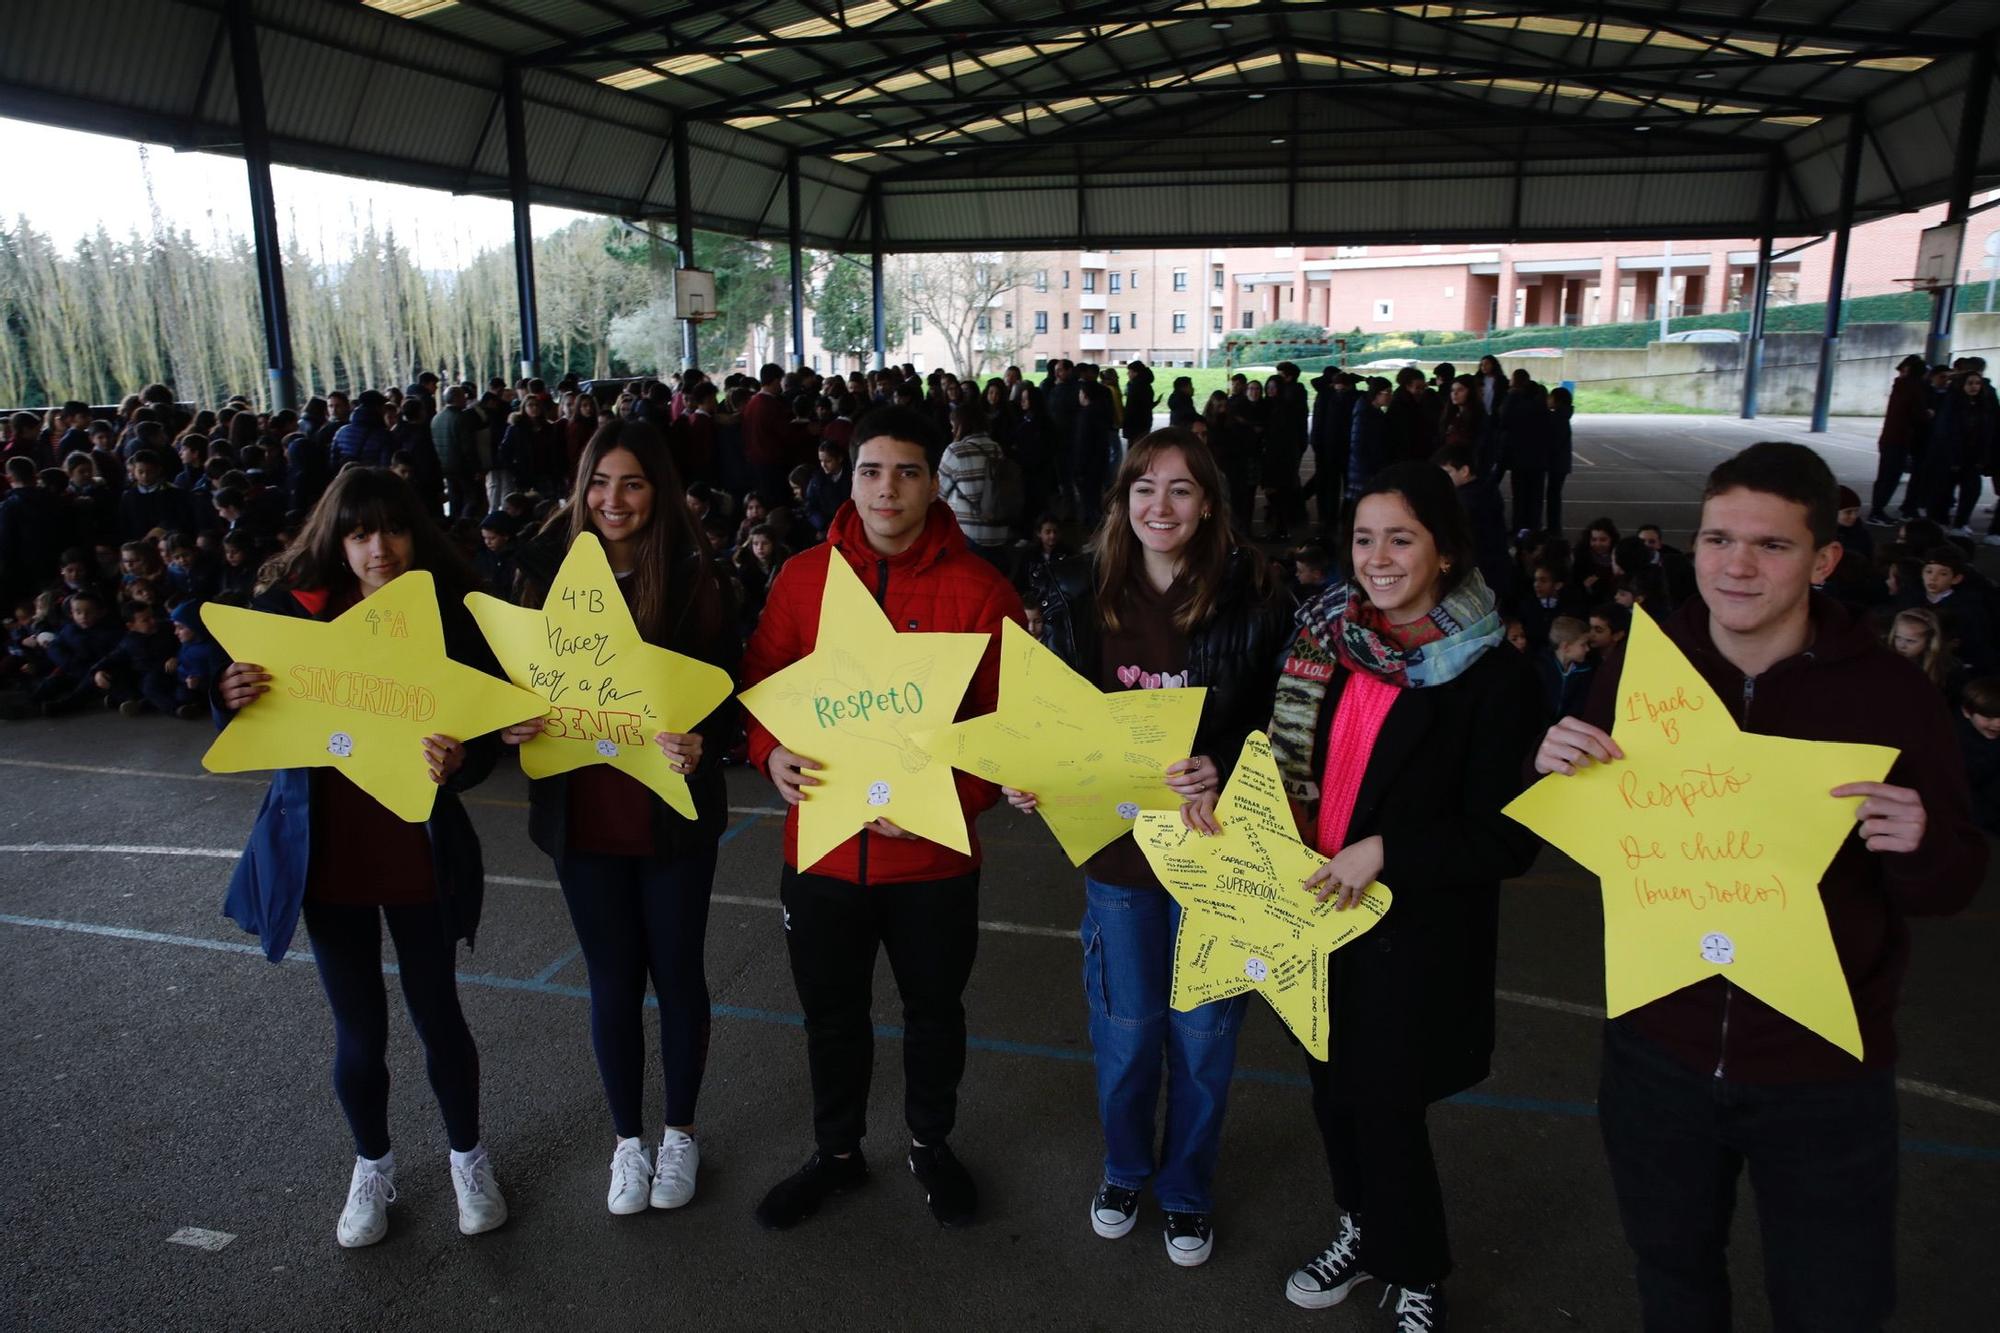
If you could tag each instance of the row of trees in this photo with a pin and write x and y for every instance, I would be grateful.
(115, 313)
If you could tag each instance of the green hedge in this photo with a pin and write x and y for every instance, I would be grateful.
(1464, 349)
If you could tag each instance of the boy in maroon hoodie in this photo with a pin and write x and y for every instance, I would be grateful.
(883, 887)
(1699, 1083)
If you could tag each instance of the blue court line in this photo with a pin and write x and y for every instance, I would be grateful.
(549, 973)
(734, 830)
(1032, 1050)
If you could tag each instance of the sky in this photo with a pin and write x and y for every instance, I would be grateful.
(208, 195)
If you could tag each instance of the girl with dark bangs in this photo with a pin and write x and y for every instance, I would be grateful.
(325, 850)
(636, 875)
(1163, 599)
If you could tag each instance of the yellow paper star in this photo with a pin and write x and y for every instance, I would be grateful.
(1094, 759)
(1709, 843)
(1247, 921)
(855, 705)
(359, 693)
(606, 690)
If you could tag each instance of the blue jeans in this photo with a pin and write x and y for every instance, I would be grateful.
(1128, 956)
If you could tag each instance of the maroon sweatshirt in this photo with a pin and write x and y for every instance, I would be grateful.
(1844, 686)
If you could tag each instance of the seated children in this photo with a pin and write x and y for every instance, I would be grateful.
(1564, 668)
(1610, 622)
(1979, 742)
(139, 672)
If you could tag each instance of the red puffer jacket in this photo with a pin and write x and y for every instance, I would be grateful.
(937, 586)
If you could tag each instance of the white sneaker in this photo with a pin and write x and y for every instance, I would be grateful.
(365, 1220)
(629, 1173)
(1962, 530)
(680, 1158)
(1991, 539)
(481, 1206)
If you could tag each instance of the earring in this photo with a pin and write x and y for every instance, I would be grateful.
(1444, 566)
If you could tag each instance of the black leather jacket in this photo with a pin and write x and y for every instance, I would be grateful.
(1236, 653)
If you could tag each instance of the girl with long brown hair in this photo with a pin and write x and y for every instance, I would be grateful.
(325, 850)
(635, 873)
(1164, 598)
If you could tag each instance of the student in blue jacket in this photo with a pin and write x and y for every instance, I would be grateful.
(636, 875)
(324, 850)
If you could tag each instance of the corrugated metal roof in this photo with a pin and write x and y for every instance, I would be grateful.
(1398, 120)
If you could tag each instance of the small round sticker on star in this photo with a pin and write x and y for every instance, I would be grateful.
(878, 793)
(1128, 809)
(340, 745)
(1718, 948)
(609, 749)
(1257, 969)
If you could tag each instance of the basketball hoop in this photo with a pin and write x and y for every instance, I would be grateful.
(701, 316)
(1922, 283)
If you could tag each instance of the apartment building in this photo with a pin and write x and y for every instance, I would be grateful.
(1174, 307)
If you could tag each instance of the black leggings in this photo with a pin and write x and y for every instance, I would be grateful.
(637, 916)
(347, 949)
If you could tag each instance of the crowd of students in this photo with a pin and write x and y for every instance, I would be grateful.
(1412, 679)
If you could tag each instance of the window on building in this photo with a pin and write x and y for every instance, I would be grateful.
(1216, 322)
(1117, 324)
(1041, 279)
(1180, 279)
(1218, 278)
(1007, 320)
(815, 330)
(1249, 319)
(1117, 283)
(1065, 319)
(1385, 309)
(1134, 321)
(1090, 323)
(1135, 279)
(916, 325)
(984, 324)
(1180, 321)
(1041, 321)
(1065, 279)
(1089, 280)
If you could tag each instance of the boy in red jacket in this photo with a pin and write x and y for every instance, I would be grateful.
(883, 887)
(1698, 1083)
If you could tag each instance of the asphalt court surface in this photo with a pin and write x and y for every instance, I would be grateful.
(160, 1076)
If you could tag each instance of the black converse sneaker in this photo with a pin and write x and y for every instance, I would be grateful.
(798, 1196)
(1418, 1309)
(1327, 1279)
(1114, 1211)
(1190, 1238)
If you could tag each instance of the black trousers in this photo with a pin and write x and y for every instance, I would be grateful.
(1822, 1159)
(1528, 496)
(1384, 1174)
(1888, 471)
(930, 929)
(347, 950)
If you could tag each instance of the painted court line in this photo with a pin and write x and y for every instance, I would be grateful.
(233, 780)
(543, 979)
(1033, 1050)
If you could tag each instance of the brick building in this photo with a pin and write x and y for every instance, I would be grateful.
(1173, 307)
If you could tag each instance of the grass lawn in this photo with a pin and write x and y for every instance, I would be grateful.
(1588, 401)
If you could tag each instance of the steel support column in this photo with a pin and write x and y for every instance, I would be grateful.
(875, 289)
(794, 225)
(1829, 343)
(1971, 123)
(524, 234)
(1753, 345)
(684, 234)
(263, 206)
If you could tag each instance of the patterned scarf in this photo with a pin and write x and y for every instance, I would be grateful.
(1342, 628)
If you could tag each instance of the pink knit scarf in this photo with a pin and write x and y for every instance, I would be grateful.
(1357, 721)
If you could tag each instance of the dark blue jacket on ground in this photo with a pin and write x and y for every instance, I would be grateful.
(76, 649)
(269, 886)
